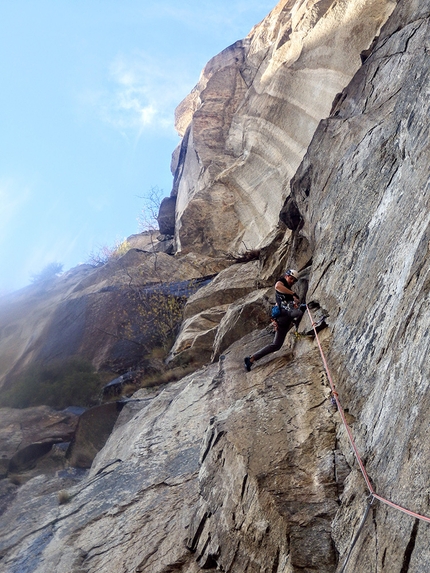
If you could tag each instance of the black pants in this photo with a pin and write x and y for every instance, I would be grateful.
(284, 322)
(278, 341)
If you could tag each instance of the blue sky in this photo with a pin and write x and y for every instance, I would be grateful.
(89, 89)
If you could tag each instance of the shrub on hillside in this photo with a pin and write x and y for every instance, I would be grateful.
(72, 382)
(151, 318)
(47, 273)
(104, 254)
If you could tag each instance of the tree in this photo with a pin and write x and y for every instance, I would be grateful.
(148, 217)
(47, 273)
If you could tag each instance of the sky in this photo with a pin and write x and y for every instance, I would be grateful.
(87, 100)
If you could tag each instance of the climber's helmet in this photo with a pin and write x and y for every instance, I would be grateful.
(292, 273)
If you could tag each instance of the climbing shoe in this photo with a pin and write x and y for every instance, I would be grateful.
(248, 363)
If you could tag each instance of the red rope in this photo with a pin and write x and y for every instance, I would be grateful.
(351, 437)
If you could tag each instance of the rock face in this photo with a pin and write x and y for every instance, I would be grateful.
(253, 472)
(249, 120)
(206, 309)
(27, 435)
(373, 275)
(91, 312)
(166, 216)
(196, 438)
(94, 428)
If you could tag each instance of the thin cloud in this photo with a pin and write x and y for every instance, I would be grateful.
(141, 94)
(142, 90)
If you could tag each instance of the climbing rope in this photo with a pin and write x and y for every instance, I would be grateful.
(372, 492)
(357, 535)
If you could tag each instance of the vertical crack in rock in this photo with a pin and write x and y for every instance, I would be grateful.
(276, 562)
(193, 542)
(409, 548)
(245, 480)
(207, 444)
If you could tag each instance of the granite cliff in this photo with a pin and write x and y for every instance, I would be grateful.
(304, 145)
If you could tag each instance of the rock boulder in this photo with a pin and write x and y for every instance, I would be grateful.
(28, 435)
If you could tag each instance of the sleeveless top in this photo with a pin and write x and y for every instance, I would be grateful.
(282, 299)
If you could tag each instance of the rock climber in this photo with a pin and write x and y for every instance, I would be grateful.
(290, 310)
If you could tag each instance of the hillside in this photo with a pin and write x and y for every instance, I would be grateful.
(305, 145)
